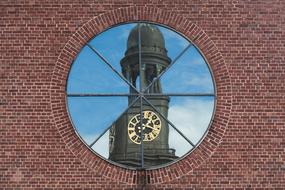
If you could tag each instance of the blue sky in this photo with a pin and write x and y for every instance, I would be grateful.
(89, 74)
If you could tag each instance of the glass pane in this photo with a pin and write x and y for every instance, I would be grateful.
(178, 143)
(160, 46)
(103, 145)
(174, 42)
(191, 115)
(89, 74)
(161, 141)
(157, 149)
(189, 74)
(112, 44)
(91, 116)
(156, 134)
(119, 46)
(124, 138)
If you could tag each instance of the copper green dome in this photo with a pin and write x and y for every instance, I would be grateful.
(150, 36)
(152, 47)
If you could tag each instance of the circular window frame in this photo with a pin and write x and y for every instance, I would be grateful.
(204, 133)
(216, 65)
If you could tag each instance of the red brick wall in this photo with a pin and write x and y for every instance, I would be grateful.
(243, 42)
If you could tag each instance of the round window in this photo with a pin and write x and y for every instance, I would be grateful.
(140, 95)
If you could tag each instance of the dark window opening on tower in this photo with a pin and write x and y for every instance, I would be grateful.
(141, 95)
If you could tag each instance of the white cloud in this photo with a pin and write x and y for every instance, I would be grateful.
(192, 118)
(101, 146)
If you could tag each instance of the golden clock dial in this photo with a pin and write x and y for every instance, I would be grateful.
(151, 126)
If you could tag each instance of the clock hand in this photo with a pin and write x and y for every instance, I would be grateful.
(148, 126)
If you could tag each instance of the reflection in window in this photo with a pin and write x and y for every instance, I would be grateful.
(140, 95)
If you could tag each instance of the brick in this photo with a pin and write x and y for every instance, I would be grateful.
(243, 43)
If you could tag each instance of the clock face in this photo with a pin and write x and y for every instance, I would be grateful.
(151, 126)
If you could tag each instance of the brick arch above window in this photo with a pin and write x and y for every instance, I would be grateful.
(178, 23)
